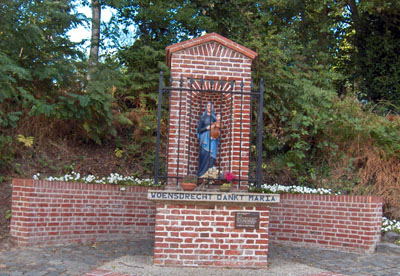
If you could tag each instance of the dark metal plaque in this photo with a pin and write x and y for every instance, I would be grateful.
(247, 220)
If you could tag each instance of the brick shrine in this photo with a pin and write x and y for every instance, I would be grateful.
(210, 57)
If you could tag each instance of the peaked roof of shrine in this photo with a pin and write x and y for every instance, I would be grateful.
(206, 39)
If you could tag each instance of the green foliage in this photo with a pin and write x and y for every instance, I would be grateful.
(308, 53)
(6, 152)
(41, 59)
(9, 73)
(98, 117)
(139, 86)
(26, 141)
(367, 52)
(160, 23)
(138, 141)
(8, 214)
(354, 123)
(42, 73)
(377, 61)
(37, 31)
(298, 98)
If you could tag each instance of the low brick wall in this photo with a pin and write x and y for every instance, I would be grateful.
(45, 212)
(205, 235)
(347, 223)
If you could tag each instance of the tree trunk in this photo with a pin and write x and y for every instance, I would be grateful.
(354, 10)
(95, 39)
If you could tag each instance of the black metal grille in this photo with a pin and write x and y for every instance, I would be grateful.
(193, 94)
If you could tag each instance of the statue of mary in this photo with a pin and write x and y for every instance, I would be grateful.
(208, 146)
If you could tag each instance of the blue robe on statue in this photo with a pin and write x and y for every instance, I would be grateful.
(208, 146)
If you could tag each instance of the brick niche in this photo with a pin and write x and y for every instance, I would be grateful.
(209, 57)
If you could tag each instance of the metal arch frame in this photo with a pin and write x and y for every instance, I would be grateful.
(255, 96)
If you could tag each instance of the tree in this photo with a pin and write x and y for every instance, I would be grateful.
(43, 73)
(368, 54)
(95, 39)
(41, 60)
(377, 59)
(158, 24)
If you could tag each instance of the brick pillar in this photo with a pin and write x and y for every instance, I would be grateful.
(209, 57)
(205, 235)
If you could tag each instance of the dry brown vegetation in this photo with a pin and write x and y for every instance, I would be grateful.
(370, 163)
(382, 175)
(60, 146)
(369, 172)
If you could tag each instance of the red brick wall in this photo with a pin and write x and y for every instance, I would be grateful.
(204, 235)
(45, 212)
(347, 223)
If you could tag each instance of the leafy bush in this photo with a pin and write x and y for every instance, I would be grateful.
(6, 153)
(315, 138)
(339, 145)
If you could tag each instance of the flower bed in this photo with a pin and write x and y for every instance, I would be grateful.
(390, 225)
(278, 189)
(113, 178)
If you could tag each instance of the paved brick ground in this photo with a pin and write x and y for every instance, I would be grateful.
(325, 274)
(88, 259)
(101, 272)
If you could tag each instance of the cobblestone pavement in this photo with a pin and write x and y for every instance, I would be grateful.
(86, 259)
(67, 260)
(101, 272)
(384, 262)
